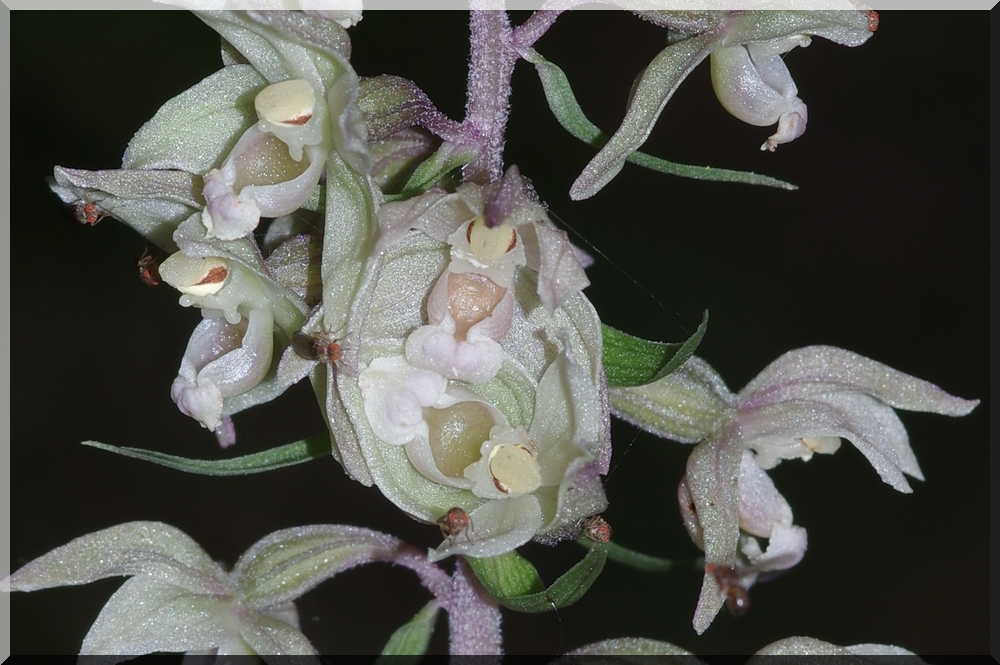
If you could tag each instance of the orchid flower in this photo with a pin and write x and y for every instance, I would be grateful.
(802, 403)
(748, 73)
(460, 369)
(178, 599)
(306, 111)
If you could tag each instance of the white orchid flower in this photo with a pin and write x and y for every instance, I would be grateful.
(177, 599)
(306, 111)
(802, 403)
(525, 482)
(748, 73)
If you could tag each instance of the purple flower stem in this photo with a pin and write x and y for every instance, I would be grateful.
(488, 103)
(529, 32)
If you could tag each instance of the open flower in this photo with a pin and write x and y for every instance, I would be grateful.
(802, 403)
(526, 482)
(462, 374)
(500, 207)
(307, 110)
(748, 73)
(178, 599)
(230, 351)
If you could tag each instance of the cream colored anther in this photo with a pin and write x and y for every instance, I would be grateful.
(195, 276)
(822, 444)
(488, 244)
(287, 104)
(514, 469)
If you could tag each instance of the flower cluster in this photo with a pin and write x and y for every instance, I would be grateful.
(314, 220)
(495, 398)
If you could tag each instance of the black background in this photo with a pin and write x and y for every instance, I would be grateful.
(883, 251)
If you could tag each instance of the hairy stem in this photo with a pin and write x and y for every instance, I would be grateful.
(488, 102)
(529, 32)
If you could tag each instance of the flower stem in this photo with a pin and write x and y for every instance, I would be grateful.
(529, 32)
(488, 103)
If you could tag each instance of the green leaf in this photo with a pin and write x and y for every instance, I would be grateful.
(516, 585)
(268, 460)
(568, 113)
(447, 158)
(630, 361)
(412, 638)
(640, 561)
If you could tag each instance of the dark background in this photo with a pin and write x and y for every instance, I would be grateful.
(883, 251)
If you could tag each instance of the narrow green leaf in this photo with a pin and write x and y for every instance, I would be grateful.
(568, 113)
(630, 361)
(412, 638)
(268, 460)
(447, 158)
(640, 561)
(503, 573)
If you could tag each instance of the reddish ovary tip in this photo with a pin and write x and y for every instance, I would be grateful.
(872, 20)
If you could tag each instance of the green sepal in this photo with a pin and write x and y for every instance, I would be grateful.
(630, 361)
(268, 460)
(568, 113)
(507, 575)
(317, 200)
(515, 583)
(412, 638)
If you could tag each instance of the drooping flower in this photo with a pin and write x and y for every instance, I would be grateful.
(748, 73)
(229, 356)
(802, 403)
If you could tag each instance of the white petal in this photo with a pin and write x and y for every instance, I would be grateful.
(845, 415)
(496, 527)
(761, 505)
(560, 274)
(745, 93)
(476, 359)
(395, 394)
(396, 218)
(272, 637)
(244, 367)
(785, 548)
